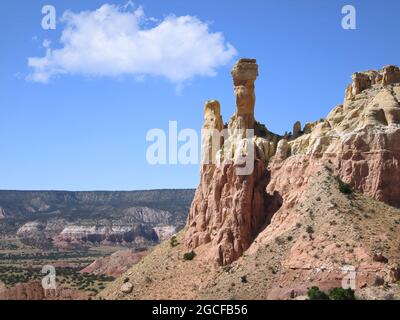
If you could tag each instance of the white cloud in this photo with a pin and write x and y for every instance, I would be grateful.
(115, 40)
(46, 43)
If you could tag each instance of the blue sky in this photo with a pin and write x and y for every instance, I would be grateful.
(84, 132)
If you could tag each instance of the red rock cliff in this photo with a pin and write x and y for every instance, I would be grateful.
(361, 139)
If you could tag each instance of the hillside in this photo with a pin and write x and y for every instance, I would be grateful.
(100, 204)
(37, 216)
(89, 237)
(320, 200)
(346, 230)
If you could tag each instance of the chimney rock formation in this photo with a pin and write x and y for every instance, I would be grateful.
(229, 209)
(359, 139)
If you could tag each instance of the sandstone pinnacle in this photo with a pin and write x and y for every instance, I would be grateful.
(244, 74)
(360, 138)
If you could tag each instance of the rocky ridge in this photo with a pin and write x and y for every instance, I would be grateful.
(46, 218)
(115, 264)
(360, 138)
(287, 225)
(229, 209)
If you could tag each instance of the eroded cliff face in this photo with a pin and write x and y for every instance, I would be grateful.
(230, 207)
(359, 140)
(360, 137)
(107, 234)
(288, 215)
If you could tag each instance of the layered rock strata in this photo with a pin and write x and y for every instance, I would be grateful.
(231, 206)
(359, 139)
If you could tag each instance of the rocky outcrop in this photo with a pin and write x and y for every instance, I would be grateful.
(34, 233)
(244, 74)
(148, 215)
(73, 219)
(63, 234)
(115, 264)
(102, 234)
(365, 80)
(34, 291)
(30, 229)
(165, 232)
(230, 205)
(148, 207)
(360, 138)
(296, 220)
(297, 130)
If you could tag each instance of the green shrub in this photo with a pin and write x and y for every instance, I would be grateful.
(189, 256)
(310, 230)
(344, 188)
(173, 242)
(315, 294)
(334, 294)
(148, 280)
(342, 294)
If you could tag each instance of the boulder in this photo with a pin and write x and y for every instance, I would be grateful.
(126, 288)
